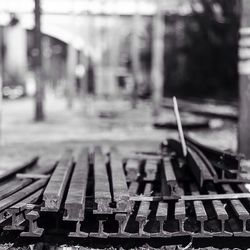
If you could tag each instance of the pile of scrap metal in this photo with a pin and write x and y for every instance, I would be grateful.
(144, 195)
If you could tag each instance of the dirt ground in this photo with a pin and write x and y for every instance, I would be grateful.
(126, 128)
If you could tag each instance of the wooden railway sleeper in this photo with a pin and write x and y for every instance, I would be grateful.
(34, 230)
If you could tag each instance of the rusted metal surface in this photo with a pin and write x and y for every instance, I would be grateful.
(94, 198)
(168, 180)
(76, 196)
(133, 169)
(119, 185)
(102, 187)
(54, 191)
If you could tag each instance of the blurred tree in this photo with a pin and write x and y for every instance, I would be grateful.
(202, 58)
(39, 110)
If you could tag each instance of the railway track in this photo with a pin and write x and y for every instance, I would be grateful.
(145, 195)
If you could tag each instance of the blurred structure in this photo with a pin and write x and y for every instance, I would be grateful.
(244, 82)
(15, 59)
(130, 49)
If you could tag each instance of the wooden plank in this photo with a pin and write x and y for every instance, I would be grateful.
(119, 184)
(102, 188)
(76, 197)
(54, 191)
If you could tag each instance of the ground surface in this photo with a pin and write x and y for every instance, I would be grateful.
(21, 137)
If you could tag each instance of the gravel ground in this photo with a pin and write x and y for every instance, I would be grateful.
(21, 137)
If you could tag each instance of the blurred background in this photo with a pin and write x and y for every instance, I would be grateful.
(101, 71)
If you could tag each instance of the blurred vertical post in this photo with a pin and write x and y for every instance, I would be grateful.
(39, 98)
(71, 64)
(244, 81)
(113, 44)
(158, 58)
(1, 84)
(135, 53)
(71, 61)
